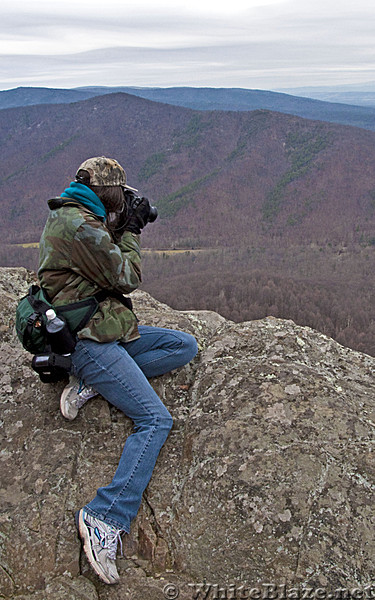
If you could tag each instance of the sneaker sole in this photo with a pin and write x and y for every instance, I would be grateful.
(87, 548)
(64, 396)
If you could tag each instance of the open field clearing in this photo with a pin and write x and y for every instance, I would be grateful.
(167, 251)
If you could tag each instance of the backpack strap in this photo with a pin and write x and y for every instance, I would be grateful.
(99, 297)
(90, 306)
(37, 304)
(29, 328)
(103, 294)
(86, 308)
(39, 307)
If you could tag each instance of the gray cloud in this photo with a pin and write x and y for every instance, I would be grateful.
(290, 44)
(246, 65)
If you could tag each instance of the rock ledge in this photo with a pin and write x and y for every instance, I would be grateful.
(267, 476)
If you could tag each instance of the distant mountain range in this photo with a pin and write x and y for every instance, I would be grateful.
(341, 94)
(218, 178)
(233, 99)
(367, 86)
(29, 96)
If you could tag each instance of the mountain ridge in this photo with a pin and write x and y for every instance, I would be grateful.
(181, 154)
(237, 99)
(283, 208)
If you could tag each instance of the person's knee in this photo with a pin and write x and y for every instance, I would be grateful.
(160, 419)
(189, 347)
(165, 421)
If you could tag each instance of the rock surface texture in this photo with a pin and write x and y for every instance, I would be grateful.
(268, 475)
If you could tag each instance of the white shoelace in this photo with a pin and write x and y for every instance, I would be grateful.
(110, 542)
(84, 393)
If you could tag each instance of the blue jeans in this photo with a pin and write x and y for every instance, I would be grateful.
(119, 371)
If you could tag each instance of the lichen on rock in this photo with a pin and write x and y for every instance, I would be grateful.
(267, 475)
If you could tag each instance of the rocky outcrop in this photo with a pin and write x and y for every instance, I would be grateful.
(267, 477)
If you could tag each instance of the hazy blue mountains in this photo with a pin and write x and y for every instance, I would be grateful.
(356, 94)
(28, 96)
(233, 99)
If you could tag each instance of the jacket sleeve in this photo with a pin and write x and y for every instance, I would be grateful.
(110, 266)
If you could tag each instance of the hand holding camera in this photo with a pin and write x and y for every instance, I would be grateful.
(135, 216)
(139, 210)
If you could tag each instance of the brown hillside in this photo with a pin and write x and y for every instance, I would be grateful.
(217, 177)
(281, 208)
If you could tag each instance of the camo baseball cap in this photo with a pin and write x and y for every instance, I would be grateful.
(103, 171)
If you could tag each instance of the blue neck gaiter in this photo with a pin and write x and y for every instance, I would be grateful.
(86, 197)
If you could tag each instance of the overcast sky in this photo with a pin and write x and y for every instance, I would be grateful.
(265, 44)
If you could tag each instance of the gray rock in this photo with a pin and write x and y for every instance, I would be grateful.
(266, 478)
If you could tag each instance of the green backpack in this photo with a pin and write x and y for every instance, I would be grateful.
(31, 317)
(31, 321)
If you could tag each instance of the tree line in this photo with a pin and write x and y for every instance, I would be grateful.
(334, 296)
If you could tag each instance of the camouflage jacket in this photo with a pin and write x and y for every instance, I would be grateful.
(78, 258)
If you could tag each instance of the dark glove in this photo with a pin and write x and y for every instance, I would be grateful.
(138, 214)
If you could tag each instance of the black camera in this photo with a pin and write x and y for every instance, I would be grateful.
(51, 367)
(153, 214)
(133, 201)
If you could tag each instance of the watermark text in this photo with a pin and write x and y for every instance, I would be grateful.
(269, 591)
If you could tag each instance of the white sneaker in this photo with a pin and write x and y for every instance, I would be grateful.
(100, 545)
(74, 396)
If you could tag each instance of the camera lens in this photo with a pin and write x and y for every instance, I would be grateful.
(41, 361)
(153, 214)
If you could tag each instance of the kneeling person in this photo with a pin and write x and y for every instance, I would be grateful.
(91, 242)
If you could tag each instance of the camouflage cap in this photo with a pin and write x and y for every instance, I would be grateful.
(103, 171)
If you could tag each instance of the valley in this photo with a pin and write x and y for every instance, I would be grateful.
(260, 213)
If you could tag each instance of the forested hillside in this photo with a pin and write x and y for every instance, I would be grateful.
(325, 289)
(275, 214)
(234, 99)
(219, 178)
